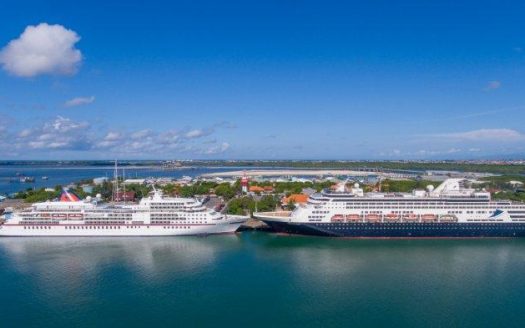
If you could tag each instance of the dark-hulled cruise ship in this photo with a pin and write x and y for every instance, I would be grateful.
(450, 210)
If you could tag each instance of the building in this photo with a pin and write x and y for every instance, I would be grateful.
(99, 181)
(256, 189)
(294, 198)
(244, 184)
(125, 196)
(135, 181)
(87, 188)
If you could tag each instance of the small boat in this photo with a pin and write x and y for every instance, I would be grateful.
(448, 218)
(353, 218)
(410, 217)
(428, 217)
(392, 217)
(372, 218)
(27, 179)
(45, 178)
(337, 218)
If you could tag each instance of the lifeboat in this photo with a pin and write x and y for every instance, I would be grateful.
(338, 218)
(59, 215)
(392, 217)
(448, 218)
(372, 218)
(75, 216)
(428, 217)
(410, 217)
(353, 218)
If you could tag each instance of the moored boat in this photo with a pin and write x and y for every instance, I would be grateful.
(154, 215)
(452, 209)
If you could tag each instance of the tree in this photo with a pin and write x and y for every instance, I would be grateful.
(291, 205)
(225, 190)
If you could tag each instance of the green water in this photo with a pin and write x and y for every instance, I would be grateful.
(261, 280)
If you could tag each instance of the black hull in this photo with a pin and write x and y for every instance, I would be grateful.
(402, 230)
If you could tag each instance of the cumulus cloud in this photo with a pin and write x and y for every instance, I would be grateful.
(112, 136)
(65, 134)
(60, 133)
(493, 85)
(484, 135)
(197, 133)
(79, 101)
(42, 49)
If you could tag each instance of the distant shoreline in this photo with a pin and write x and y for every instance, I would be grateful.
(496, 167)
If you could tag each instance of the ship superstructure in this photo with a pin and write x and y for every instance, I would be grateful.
(154, 215)
(453, 209)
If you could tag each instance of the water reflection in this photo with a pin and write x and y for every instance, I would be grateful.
(326, 262)
(73, 264)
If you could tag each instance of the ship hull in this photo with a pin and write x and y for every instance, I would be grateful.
(401, 230)
(18, 230)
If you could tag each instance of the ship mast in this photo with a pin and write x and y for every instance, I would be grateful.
(115, 186)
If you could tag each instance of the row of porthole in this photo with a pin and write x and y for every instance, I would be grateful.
(90, 227)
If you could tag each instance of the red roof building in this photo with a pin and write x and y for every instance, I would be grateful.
(256, 189)
(128, 196)
(294, 198)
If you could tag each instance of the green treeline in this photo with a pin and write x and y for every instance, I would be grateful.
(248, 204)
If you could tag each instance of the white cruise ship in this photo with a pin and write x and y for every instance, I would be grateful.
(155, 215)
(450, 210)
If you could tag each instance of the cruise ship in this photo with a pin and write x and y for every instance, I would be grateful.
(155, 215)
(452, 209)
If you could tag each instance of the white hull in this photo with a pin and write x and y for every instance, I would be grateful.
(15, 230)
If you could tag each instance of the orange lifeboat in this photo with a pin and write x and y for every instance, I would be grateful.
(372, 218)
(428, 217)
(353, 218)
(392, 217)
(338, 218)
(410, 217)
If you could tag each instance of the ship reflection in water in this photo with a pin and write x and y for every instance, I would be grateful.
(61, 266)
(260, 279)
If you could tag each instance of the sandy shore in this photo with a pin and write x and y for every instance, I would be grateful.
(252, 173)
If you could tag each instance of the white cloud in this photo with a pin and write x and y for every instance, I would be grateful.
(79, 101)
(65, 134)
(493, 85)
(60, 133)
(24, 133)
(484, 135)
(112, 136)
(141, 134)
(218, 149)
(42, 49)
(194, 134)
(62, 124)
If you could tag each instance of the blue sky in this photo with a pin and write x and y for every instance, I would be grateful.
(262, 79)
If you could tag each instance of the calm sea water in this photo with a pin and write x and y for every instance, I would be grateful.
(257, 279)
